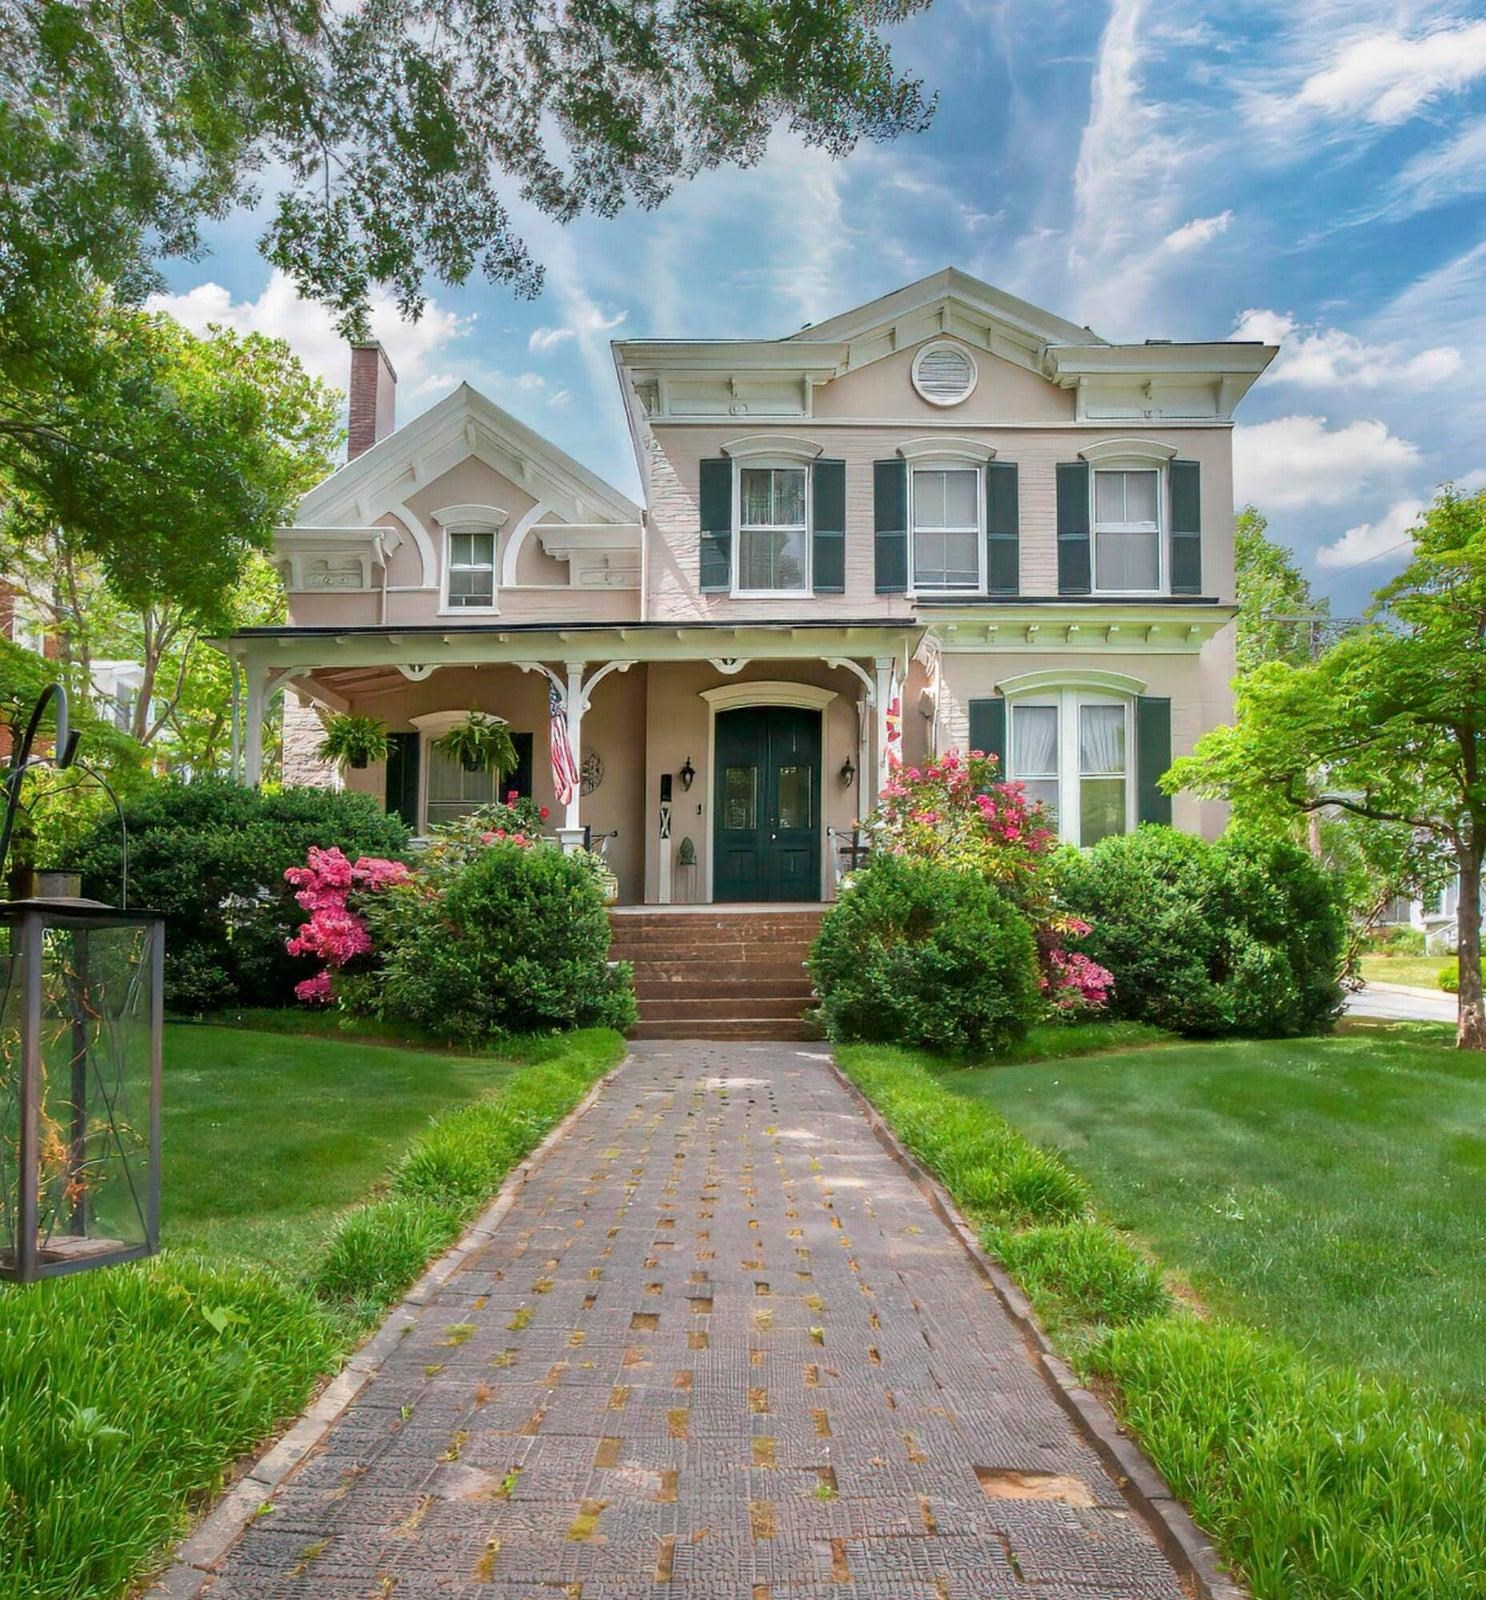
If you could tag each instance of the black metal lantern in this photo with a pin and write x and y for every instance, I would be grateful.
(848, 773)
(81, 1023)
(82, 1018)
(688, 774)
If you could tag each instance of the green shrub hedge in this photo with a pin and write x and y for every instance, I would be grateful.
(1244, 936)
(1449, 976)
(211, 855)
(921, 954)
(516, 941)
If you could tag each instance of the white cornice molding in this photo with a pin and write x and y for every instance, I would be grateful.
(471, 518)
(768, 693)
(946, 447)
(790, 447)
(1071, 678)
(1147, 450)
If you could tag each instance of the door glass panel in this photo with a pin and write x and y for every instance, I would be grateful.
(740, 797)
(794, 797)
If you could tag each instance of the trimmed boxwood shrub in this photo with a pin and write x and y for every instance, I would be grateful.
(210, 855)
(921, 954)
(517, 942)
(1244, 936)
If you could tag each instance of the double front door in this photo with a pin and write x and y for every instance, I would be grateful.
(766, 818)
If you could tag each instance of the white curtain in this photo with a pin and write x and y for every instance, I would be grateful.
(1101, 739)
(1034, 740)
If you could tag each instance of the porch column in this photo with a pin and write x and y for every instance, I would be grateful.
(574, 702)
(253, 724)
(883, 666)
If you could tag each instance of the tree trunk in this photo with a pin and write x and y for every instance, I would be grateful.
(1470, 1030)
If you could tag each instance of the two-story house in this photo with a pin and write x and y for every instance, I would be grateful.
(944, 519)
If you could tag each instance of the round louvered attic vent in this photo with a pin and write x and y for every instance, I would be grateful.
(944, 374)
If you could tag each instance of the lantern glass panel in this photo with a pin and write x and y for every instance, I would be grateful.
(79, 1100)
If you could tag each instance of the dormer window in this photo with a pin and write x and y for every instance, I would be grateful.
(472, 570)
(773, 530)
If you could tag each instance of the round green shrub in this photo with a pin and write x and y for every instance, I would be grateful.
(921, 954)
(1244, 936)
(1448, 977)
(517, 942)
(211, 855)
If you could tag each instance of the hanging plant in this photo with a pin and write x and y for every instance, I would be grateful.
(481, 743)
(354, 741)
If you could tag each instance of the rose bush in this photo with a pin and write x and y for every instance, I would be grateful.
(954, 812)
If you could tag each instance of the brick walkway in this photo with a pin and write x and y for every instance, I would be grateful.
(720, 1347)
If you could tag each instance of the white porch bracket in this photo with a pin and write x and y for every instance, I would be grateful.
(416, 672)
(729, 666)
(586, 698)
(855, 667)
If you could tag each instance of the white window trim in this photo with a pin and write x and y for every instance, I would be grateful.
(1129, 463)
(949, 463)
(470, 519)
(778, 462)
(1067, 698)
(772, 450)
(960, 350)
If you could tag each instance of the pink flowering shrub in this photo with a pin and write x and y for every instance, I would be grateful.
(954, 811)
(336, 932)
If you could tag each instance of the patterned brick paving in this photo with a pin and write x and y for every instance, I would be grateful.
(720, 1347)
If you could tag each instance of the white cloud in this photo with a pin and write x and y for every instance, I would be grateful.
(1370, 541)
(531, 380)
(1299, 461)
(544, 339)
(1199, 231)
(1441, 174)
(417, 349)
(1326, 358)
(1387, 76)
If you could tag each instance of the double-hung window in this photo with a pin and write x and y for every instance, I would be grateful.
(1070, 751)
(946, 517)
(773, 530)
(1127, 530)
(472, 569)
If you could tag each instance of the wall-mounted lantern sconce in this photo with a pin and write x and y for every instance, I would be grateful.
(688, 774)
(848, 773)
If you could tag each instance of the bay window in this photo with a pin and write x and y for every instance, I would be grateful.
(1127, 531)
(1069, 749)
(946, 528)
(773, 530)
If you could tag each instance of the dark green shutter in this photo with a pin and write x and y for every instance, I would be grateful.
(1152, 757)
(828, 540)
(890, 525)
(1185, 478)
(1073, 528)
(402, 777)
(1003, 528)
(988, 729)
(715, 501)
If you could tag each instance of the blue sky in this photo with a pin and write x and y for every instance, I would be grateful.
(1313, 171)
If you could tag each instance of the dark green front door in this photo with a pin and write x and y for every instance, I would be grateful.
(766, 819)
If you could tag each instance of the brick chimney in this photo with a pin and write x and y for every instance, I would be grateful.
(373, 398)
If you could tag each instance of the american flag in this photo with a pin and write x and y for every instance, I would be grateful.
(564, 771)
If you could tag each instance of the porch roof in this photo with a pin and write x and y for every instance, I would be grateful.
(465, 643)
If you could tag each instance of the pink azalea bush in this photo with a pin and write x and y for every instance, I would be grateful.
(953, 810)
(336, 932)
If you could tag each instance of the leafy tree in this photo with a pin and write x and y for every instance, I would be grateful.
(1388, 724)
(1270, 587)
(396, 127)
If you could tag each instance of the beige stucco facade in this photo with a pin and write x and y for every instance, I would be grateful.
(579, 592)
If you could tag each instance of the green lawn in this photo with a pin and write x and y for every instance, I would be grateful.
(265, 1136)
(1419, 972)
(1323, 1411)
(307, 1177)
(1330, 1190)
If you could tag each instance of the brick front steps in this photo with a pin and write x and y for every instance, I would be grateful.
(718, 974)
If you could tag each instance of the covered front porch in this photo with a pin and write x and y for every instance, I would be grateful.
(718, 763)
